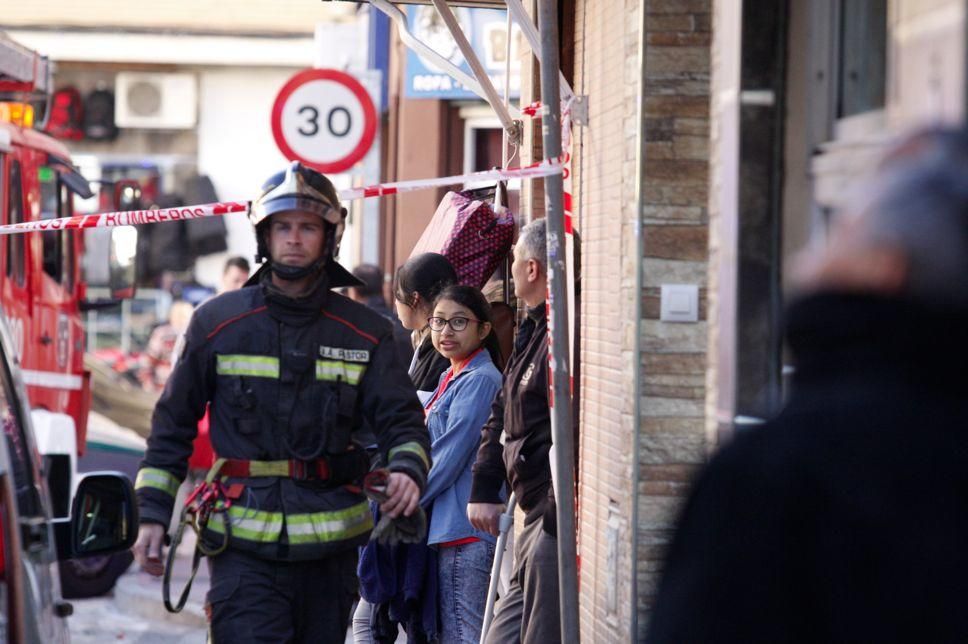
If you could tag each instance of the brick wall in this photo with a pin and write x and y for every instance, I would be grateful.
(674, 232)
(675, 239)
(605, 169)
(674, 229)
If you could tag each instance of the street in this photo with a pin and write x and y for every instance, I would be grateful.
(134, 611)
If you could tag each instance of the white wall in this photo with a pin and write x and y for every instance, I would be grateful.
(236, 148)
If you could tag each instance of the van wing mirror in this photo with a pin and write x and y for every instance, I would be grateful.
(104, 517)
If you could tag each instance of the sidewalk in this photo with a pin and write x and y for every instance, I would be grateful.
(140, 593)
(135, 612)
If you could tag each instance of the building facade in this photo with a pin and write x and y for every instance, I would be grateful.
(721, 138)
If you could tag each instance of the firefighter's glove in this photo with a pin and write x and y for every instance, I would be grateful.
(390, 531)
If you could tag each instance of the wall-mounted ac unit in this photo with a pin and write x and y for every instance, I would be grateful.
(147, 100)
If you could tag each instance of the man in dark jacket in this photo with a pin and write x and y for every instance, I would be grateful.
(844, 518)
(529, 611)
(288, 369)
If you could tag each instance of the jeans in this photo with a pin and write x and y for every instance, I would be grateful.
(463, 572)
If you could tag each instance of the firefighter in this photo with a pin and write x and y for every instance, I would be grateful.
(289, 369)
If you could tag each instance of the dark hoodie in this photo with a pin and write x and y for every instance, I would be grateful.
(843, 519)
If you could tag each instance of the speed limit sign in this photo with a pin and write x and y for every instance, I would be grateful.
(325, 119)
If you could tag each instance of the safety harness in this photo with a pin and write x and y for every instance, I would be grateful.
(212, 498)
(209, 497)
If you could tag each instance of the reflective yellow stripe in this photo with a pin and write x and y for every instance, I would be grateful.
(337, 369)
(249, 524)
(245, 365)
(314, 527)
(268, 468)
(414, 448)
(324, 527)
(158, 479)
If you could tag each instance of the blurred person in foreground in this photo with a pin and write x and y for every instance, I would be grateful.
(370, 293)
(844, 518)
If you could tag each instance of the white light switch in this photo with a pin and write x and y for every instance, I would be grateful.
(680, 303)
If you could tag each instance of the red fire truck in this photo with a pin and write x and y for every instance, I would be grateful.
(42, 290)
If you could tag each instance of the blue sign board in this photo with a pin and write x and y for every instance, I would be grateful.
(486, 29)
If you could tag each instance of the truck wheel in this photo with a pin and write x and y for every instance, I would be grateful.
(92, 576)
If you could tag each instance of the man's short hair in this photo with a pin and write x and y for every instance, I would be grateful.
(372, 278)
(533, 244)
(919, 204)
(236, 262)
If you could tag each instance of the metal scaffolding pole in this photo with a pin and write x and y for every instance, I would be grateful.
(561, 421)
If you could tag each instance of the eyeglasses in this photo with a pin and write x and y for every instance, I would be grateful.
(458, 324)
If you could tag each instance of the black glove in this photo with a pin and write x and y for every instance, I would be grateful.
(390, 531)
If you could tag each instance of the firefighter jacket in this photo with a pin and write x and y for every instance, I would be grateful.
(285, 379)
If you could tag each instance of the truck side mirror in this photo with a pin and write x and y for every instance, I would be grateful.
(104, 517)
(122, 273)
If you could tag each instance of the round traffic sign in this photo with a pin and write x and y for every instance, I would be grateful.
(325, 119)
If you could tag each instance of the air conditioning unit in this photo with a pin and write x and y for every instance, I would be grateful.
(148, 100)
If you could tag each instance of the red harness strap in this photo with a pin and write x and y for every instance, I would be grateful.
(296, 469)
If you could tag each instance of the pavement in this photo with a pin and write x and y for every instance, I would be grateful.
(134, 612)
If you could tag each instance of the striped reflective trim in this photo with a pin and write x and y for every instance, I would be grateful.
(414, 448)
(249, 524)
(157, 479)
(333, 370)
(314, 527)
(324, 527)
(245, 365)
(268, 468)
(51, 380)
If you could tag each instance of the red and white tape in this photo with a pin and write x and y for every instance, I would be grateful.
(534, 171)
(126, 218)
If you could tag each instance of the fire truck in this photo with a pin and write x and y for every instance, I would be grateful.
(42, 290)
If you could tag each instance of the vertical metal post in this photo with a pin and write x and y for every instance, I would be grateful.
(561, 421)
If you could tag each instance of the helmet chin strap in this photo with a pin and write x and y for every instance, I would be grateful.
(291, 273)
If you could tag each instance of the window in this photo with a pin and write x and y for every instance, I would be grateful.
(55, 202)
(863, 56)
(15, 210)
(49, 209)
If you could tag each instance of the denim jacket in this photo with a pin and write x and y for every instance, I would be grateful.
(454, 421)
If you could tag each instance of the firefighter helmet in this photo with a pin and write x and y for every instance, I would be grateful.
(303, 189)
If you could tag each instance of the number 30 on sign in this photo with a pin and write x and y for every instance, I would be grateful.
(325, 119)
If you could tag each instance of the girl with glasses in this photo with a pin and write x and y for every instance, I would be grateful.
(461, 331)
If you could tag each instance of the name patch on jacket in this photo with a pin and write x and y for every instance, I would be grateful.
(526, 378)
(347, 355)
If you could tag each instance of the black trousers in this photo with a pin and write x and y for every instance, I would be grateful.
(257, 600)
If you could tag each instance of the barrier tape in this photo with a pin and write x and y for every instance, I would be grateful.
(537, 170)
(126, 218)
(131, 217)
